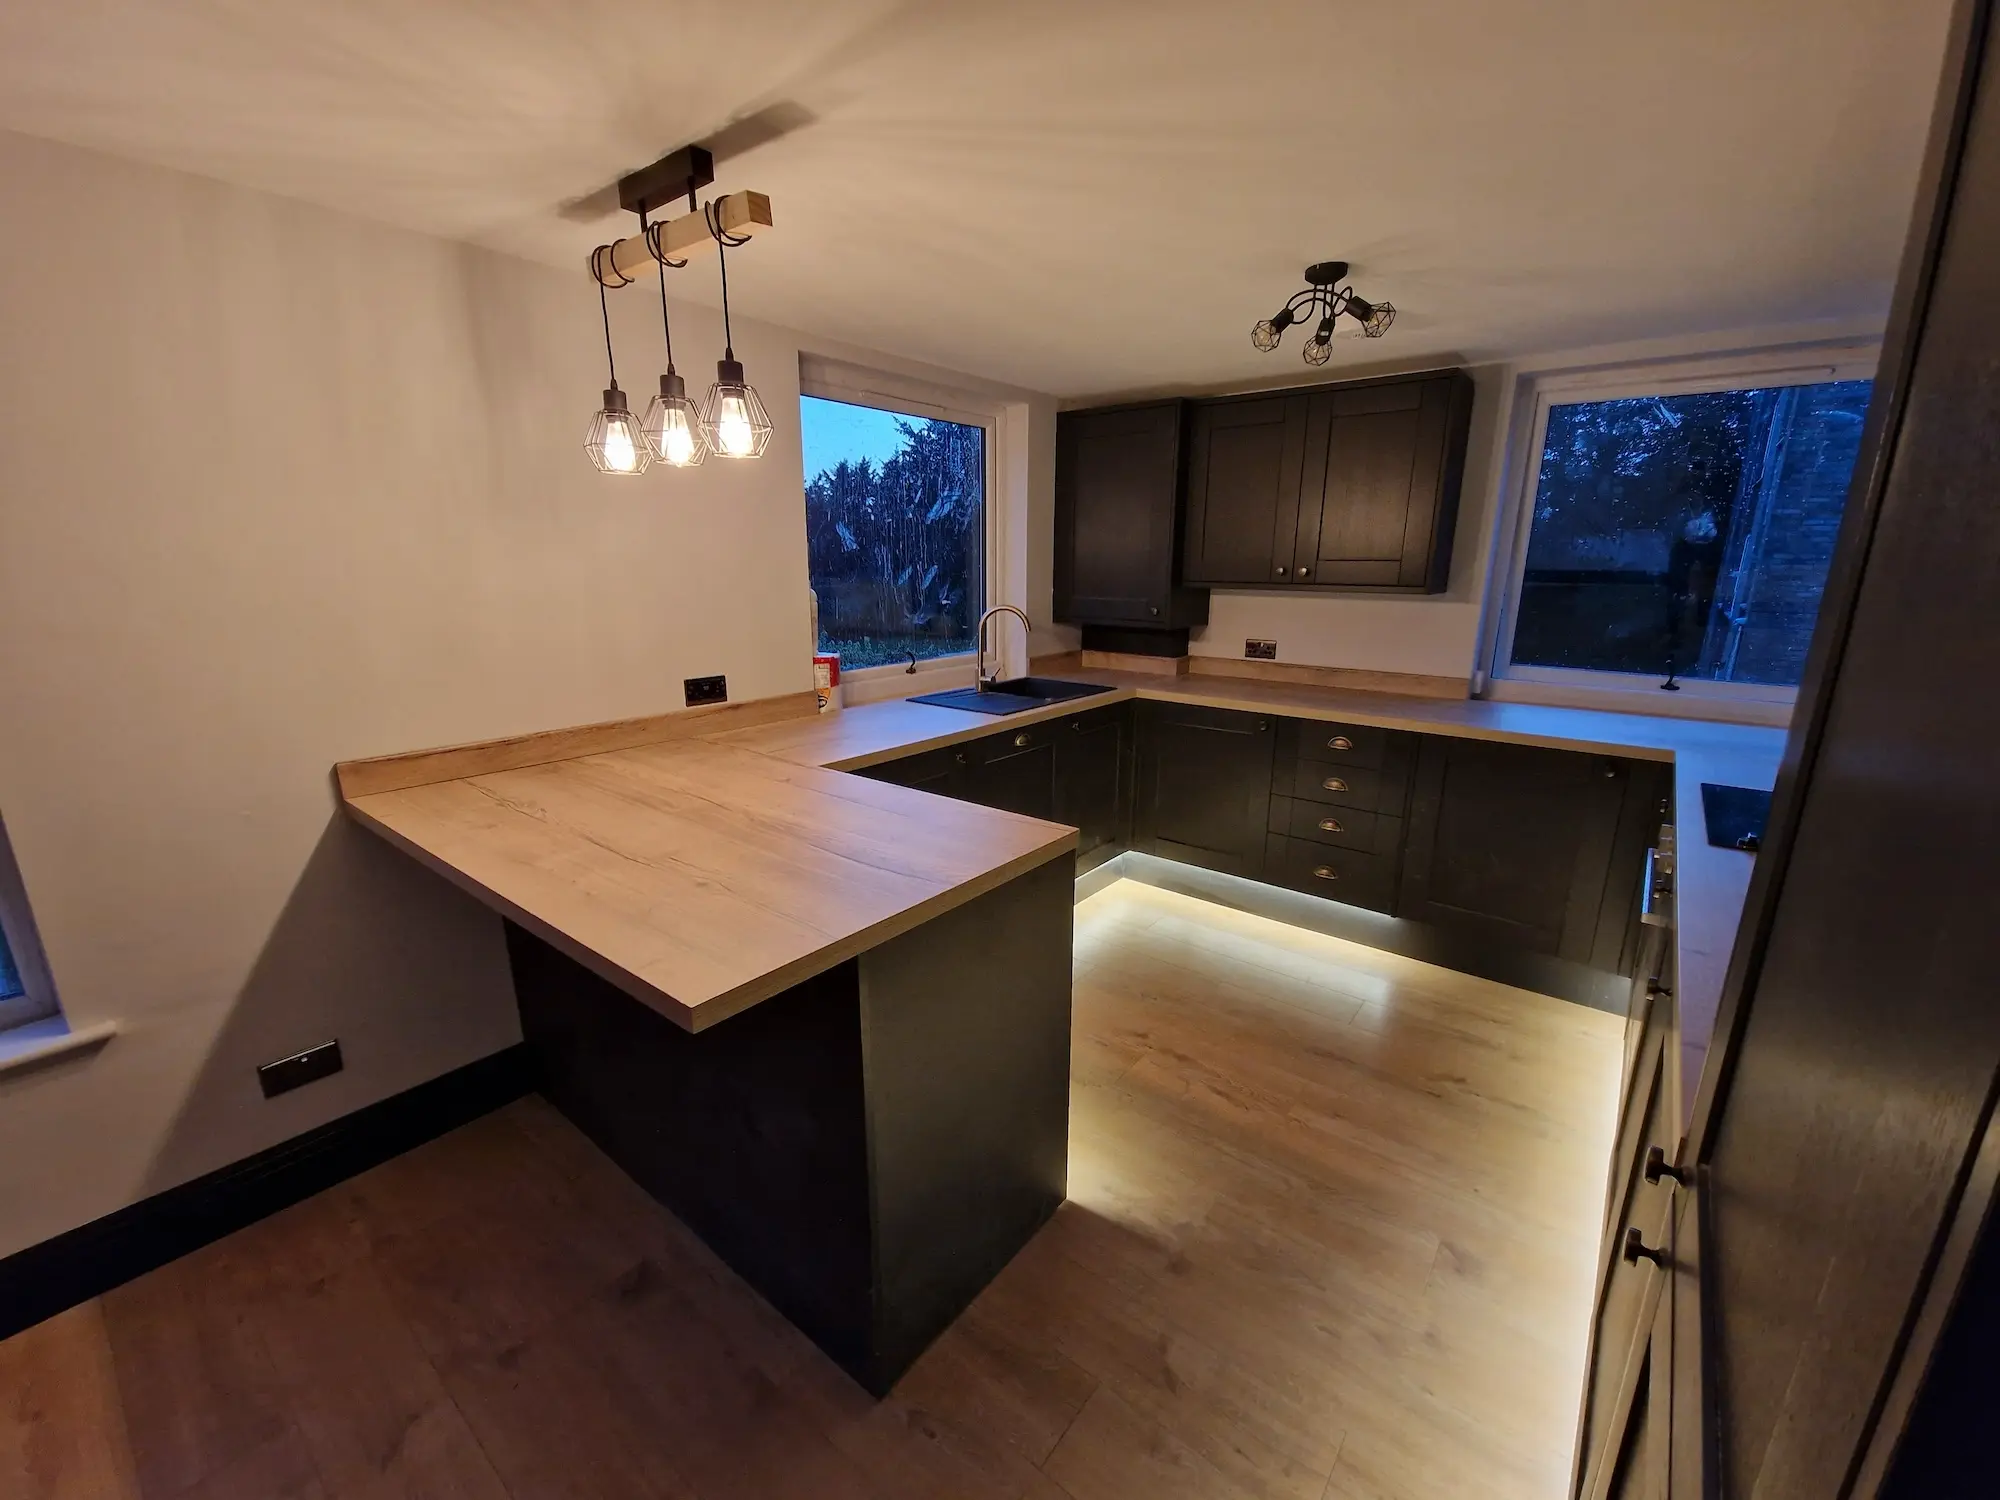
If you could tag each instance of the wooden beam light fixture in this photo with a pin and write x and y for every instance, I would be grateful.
(732, 421)
(683, 174)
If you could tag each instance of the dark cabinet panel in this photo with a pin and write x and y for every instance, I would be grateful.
(1340, 744)
(1345, 828)
(939, 771)
(1629, 1283)
(1354, 876)
(1395, 459)
(1118, 519)
(1093, 781)
(1245, 464)
(1516, 844)
(1340, 486)
(1014, 771)
(1204, 785)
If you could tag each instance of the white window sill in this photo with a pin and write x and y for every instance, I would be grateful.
(39, 1042)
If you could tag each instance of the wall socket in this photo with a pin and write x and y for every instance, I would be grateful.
(706, 690)
(1261, 650)
(288, 1073)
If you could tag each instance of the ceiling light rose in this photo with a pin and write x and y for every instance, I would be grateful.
(733, 419)
(1325, 295)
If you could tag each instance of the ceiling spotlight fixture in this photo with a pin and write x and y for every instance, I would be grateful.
(614, 442)
(1325, 295)
(733, 419)
(672, 426)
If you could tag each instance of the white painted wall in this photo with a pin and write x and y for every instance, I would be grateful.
(280, 487)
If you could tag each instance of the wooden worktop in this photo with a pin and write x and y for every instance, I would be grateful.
(720, 865)
(702, 879)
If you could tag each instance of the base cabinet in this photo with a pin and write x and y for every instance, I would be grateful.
(1093, 781)
(1014, 772)
(1204, 785)
(1512, 847)
(1534, 849)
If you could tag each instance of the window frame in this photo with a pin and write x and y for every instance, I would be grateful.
(1747, 370)
(37, 1000)
(904, 397)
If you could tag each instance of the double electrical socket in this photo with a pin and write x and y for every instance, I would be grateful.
(1257, 650)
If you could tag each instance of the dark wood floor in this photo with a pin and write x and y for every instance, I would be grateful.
(1331, 1235)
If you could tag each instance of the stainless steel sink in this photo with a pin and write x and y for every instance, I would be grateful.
(1016, 695)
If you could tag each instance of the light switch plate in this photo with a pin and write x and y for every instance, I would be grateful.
(1257, 650)
(288, 1073)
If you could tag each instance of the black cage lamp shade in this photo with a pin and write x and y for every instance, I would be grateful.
(733, 419)
(1325, 300)
(614, 441)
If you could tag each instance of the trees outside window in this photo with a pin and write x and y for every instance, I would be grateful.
(895, 531)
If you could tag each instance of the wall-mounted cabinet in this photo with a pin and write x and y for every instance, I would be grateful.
(1339, 486)
(1119, 475)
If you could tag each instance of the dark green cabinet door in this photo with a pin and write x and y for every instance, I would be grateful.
(1093, 781)
(1204, 785)
(1518, 845)
(1245, 459)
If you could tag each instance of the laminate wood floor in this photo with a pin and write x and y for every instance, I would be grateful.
(1332, 1228)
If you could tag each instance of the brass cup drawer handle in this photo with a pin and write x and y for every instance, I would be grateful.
(1331, 825)
(1657, 1166)
(1334, 784)
(1340, 742)
(1636, 1249)
(1326, 872)
(1023, 739)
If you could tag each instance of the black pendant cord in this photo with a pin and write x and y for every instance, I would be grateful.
(660, 262)
(604, 310)
(722, 244)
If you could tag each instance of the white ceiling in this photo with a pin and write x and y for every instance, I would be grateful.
(1085, 196)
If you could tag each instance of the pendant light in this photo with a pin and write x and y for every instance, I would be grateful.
(614, 442)
(733, 419)
(672, 426)
(1325, 295)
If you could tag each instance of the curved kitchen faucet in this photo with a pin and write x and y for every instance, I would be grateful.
(980, 676)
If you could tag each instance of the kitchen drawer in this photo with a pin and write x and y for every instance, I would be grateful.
(1346, 828)
(1347, 875)
(1342, 744)
(1348, 786)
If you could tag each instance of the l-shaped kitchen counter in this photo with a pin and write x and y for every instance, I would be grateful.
(703, 873)
(705, 865)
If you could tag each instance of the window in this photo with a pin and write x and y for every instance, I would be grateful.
(895, 530)
(1680, 531)
(11, 987)
(26, 993)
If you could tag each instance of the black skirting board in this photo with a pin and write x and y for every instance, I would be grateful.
(1735, 815)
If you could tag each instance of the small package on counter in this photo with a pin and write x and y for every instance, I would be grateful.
(826, 680)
